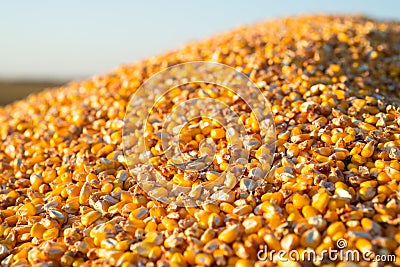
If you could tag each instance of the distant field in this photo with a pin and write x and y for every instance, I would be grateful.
(11, 91)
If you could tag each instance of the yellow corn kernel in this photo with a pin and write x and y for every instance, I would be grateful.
(142, 248)
(355, 150)
(122, 245)
(290, 242)
(244, 263)
(336, 227)
(395, 164)
(366, 126)
(207, 236)
(252, 224)
(322, 159)
(202, 218)
(383, 189)
(126, 196)
(226, 207)
(310, 238)
(368, 150)
(210, 207)
(299, 201)
(157, 212)
(357, 159)
(27, 209)
(138, 214)
(327, 139)
(107, 188)
(296, 131)
(212, 176)
(320, 201)
(37, 230)
(340, 155)
(292, 150)
(169, 224)
(50, 234)
(229, 234)
(159, 192)
(393, 173)
(155, 253)
(151, 227)
(204, 259)
(90, 217)
(189, 256)
(324, 151)
(364, 245)
(272, 242)
(224, 166)
(177, 260)
(217, 133)
(84, 194)
(36, 182)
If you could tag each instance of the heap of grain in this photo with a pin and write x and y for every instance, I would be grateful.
(68, 199)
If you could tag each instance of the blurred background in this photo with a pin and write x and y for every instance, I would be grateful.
(47, 43)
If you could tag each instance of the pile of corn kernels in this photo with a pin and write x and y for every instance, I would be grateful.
(67, 197)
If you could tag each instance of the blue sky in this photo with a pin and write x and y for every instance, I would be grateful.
(76, 39)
